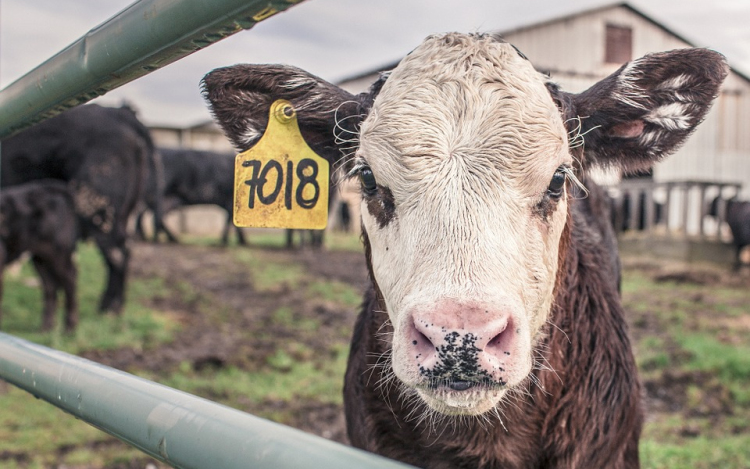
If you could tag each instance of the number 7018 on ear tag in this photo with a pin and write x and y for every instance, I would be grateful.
(281, 182)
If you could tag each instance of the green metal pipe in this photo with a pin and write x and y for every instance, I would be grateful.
(175, 427)
(146, 36)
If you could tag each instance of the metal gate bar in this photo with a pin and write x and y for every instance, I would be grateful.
(146, 36)
(175, 427)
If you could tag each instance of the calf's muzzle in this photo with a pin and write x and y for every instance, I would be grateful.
(462, 345)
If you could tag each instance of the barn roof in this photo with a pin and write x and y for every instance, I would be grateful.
(557, 19)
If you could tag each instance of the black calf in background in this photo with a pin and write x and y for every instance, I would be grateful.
(39, 218)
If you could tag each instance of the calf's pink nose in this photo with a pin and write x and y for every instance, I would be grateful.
(455, 342)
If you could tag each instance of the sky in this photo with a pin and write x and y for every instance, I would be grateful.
(333, 39)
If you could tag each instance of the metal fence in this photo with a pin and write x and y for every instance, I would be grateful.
(687, 209)
(144, 37)
(175, 427)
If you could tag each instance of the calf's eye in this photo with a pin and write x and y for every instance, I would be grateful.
(367, 179)
(557, 184)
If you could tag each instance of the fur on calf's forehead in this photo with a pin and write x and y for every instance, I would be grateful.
(467, 97)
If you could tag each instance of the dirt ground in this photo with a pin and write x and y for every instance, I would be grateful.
(215, 274)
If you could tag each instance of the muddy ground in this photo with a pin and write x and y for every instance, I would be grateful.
(214, 274)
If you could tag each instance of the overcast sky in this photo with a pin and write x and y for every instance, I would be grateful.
(331, 38)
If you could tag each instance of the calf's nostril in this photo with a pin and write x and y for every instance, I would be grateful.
(501, 340)
(420, 339)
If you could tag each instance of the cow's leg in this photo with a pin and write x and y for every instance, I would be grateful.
(64, 275)
(225, 232)
(116, 256)
(139, 234)
(170, 236)
(2, 269)
(289, 239)
(49, 289)
(160, 227)
(317, 237)
(240, 236)
(167, 205)
(738, 259)
(67, 277)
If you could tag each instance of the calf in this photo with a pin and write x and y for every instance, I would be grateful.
(102, 153)
(492, 333)
(39, 218)
(738, 219)
(191, 177)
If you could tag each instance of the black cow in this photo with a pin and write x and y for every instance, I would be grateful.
(738, 219)
(621, 213)
(312, 238)
(191, 177)
(39, 218)
(102, 153)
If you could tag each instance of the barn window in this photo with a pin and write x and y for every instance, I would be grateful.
(619, 46)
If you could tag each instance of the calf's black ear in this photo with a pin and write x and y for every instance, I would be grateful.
(645, 110)
(240, 98)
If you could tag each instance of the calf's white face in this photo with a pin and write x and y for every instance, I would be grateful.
(462, 145)
(463, 155)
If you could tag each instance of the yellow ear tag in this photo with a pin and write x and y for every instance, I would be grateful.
(281, 182)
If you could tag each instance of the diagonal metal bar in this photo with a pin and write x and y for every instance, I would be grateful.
(146, 36)
(175, 427)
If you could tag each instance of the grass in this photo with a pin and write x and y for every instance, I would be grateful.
(138, 326)
(700, 453)
(286, 380)
(729, 362)
(334, 291)
(39, 431)
(692, 348)
(692, 343)
(35, 434)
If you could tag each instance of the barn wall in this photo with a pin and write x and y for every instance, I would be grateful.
(573, 51)
(207, 138)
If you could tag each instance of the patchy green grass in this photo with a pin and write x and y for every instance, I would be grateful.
(268, 275)
(700, 453)
(693, 350)
(337, 241)
(335, 291)
(40, 434)
(138, 326)
(286, 379)
(292, 373)
(730, 362)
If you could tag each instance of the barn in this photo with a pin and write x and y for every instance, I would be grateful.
(581, 48)
(202, 136)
